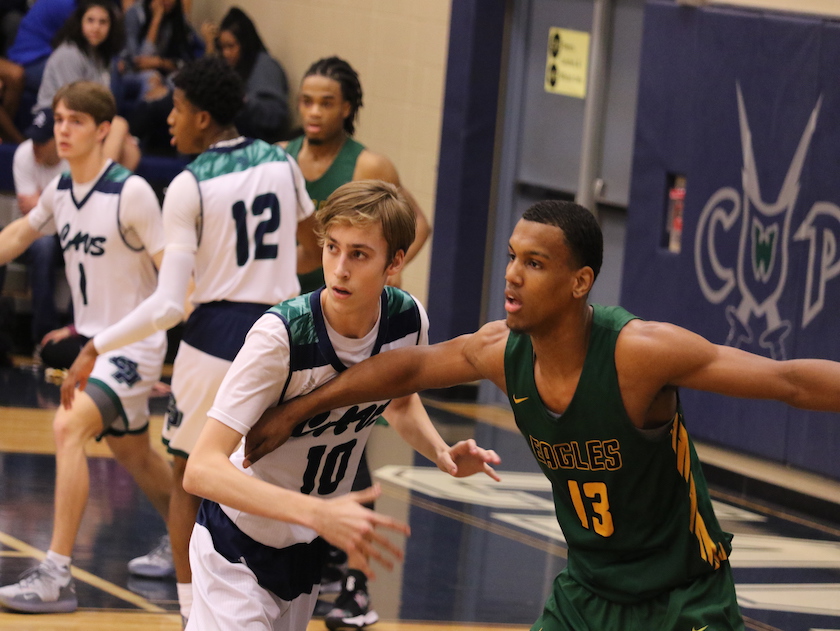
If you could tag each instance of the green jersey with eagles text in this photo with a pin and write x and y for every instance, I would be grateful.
(633, 505)
(290, 351)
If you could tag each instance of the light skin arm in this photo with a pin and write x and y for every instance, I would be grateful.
(408, 416)
(390, 375)
(375, 166)
(27, 202)
(308, 250)
(653, 355)
(342, 521)
(15, 238)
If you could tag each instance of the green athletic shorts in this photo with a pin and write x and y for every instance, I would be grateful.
(708, 604)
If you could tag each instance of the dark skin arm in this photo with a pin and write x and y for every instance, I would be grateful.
(392, 375)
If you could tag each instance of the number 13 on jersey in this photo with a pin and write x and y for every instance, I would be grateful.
(592, 506)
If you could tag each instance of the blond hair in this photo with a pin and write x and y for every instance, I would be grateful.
(89, 98)
(366, 203)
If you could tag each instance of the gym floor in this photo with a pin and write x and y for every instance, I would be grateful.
(482, 555)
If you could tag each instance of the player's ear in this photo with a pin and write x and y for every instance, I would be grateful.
(582, 283)
(396, 265)
(102, 131)
(204, 120)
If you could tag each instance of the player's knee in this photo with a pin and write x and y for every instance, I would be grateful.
(69, 428)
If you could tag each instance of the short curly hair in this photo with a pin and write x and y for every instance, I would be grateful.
(213, 86)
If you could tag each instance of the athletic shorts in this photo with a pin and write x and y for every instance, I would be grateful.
(228, 595)
(213, 335)
(708, 602)
(121, 382)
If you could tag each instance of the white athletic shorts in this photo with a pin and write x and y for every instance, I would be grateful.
(196, 376)
(227, 596)
(122, 381)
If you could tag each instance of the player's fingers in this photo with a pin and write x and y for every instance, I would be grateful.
(67, 392)
(448, 465)
(491, 472)
(366, 496)
(381, 543)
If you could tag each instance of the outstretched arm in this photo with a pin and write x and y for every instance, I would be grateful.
(15, 238)
(388, 375)
(343, 521)
(650, 355)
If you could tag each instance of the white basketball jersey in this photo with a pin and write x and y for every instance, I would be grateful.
(107, 254)
(323, 453)
(252, 198)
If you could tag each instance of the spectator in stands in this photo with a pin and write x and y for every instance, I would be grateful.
(21, 73)
(84, 48)
(266, 112)
(35, 164)
(159, 40)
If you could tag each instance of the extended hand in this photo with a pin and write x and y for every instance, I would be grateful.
(466, 458)
(78, 374)
(345, 523)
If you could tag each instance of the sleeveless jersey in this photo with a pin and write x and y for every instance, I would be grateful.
(634, 509)
(252, 198)
(340, 172)
(107, 266)
(323, 453)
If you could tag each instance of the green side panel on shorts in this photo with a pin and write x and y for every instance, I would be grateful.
(211, 164)
(114, 399)
(174, 452)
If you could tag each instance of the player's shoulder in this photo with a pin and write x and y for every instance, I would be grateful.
(296, 315)
(371, 165)
(237, 157)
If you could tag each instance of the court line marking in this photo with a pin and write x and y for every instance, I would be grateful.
(84, 576)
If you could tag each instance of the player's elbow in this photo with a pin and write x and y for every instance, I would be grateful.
(168, 315)
(194, 477)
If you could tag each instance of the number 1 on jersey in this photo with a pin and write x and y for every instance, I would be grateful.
(269, 202)
(596, 492)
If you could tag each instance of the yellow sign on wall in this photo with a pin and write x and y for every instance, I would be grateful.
(567, 62)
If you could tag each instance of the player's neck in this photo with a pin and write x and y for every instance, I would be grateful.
(353, 323)
(327, 150)
(561, 348)
(85, 168)
(220, 134)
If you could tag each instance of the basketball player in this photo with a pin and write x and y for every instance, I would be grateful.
(594, 392)
(329, 101)
(231, 218)
(109, 226)
(256, 551)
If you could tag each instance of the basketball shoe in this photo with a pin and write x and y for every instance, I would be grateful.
(157, 563)
(352, 607)
(46, 588)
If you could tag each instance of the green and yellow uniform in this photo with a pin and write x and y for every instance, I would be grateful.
(645, 548)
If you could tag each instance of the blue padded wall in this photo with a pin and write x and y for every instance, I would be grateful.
(745, 105)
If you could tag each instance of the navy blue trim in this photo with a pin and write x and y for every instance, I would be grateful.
(219, 328)
(323, 338)
(292, 354)
(101, 186)
(404, 323)
(286, 572)
(384, 324)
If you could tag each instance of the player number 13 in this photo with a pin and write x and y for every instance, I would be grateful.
(592, 506)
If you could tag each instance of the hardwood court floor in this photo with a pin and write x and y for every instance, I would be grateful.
(482, 555)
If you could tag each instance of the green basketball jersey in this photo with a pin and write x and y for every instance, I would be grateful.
(340, 172)
(634, 508)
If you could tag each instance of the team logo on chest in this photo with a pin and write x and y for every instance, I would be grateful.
(361, 418)
(81, 241)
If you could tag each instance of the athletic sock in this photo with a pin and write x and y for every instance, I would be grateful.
(185, 598)
(59, 560)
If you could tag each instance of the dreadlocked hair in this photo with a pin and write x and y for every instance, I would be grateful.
(351, 90)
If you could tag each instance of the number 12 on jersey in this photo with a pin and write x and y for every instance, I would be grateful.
(269, 202)
(592, 506)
